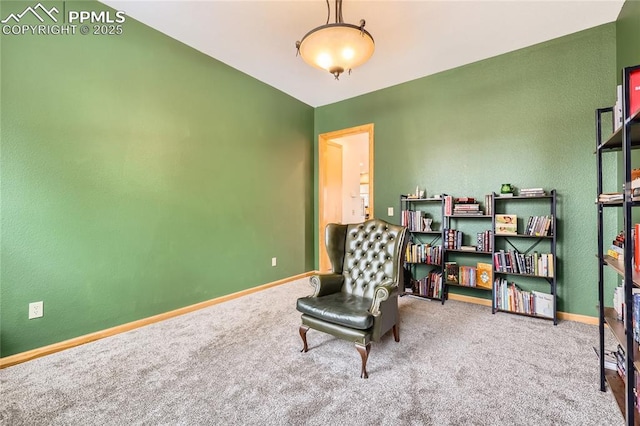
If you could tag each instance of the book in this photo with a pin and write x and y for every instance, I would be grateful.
(484, 275)
(532, 192)
(610, 197)
(610, 361)
(506, 224)
(636, 247)
(465, 200)
(488, 202)
(543, 304)
(451, 270)
(634, 92)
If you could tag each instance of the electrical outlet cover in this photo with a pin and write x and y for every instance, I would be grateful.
(35, 310)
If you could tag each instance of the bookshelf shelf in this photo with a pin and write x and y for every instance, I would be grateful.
(522, 275)
(427, 232)
(420, 296)
(468, 251)
(615, 141)
(623, 140)
(468, 286)
(513, 253)
(617, 387)
(524, 314)
(617, 328)
(525, 236)
(618, 266)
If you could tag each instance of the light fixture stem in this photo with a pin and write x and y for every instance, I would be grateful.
(328, 13)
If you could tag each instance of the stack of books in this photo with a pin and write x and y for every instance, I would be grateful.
(532, 192)
(635, 189)
(610, 197)
(466, 206)
(616, 250)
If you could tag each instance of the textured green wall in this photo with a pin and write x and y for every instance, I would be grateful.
(627, 54)
(525, 117)
(628, 35)
(139, 176)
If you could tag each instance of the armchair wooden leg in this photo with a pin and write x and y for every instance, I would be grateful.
(303, 333)
(364, 354)
(396, 333)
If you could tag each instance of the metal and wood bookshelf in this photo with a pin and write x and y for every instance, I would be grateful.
(417, 235)
(524, 243)
(624, 140)
(462, 221)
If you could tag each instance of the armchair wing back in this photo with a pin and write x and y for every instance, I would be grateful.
(358, 300)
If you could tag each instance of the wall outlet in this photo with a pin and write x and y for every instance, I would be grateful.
(274, 261)
(35, 310)
(390, 211)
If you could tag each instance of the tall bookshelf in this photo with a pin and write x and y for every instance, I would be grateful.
(527, 254)
(465, 253)
(625, 139)
(424, 251)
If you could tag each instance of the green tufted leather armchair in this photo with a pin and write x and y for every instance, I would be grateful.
(358, 300)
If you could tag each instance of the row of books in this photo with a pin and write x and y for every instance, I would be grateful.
(532, 192)
(620, 364)
(430, 285)
(512, 261)
(415, 220)
(488, 204)
(467, 209)
(469, 276)
(452, 239)
(423, 253)
(509, 297)
(540, 226)
(616, 250)
(485, 241)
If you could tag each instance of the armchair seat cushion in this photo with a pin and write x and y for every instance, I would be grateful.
(339, 308)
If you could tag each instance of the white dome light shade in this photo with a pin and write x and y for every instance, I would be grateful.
(337, 47)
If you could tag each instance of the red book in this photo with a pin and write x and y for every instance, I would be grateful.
(634, 92)
(636, 247)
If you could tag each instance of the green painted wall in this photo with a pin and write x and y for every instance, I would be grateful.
(138, 176)
(627, 54)
(628, 36)
(525, 117)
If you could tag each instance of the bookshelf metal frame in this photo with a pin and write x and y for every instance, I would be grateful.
(416, 237)
(536, 239)
(624, 139)
(447, 253)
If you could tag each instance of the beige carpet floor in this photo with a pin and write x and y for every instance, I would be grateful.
(239, 363)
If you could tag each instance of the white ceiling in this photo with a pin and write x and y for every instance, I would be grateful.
(413, 38)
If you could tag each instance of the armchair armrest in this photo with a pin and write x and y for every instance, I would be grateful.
(324, 284)
(383, 292)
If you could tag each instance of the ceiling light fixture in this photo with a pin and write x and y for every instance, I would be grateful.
(336, 47)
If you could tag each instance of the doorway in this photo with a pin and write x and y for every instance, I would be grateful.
(345, 180)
